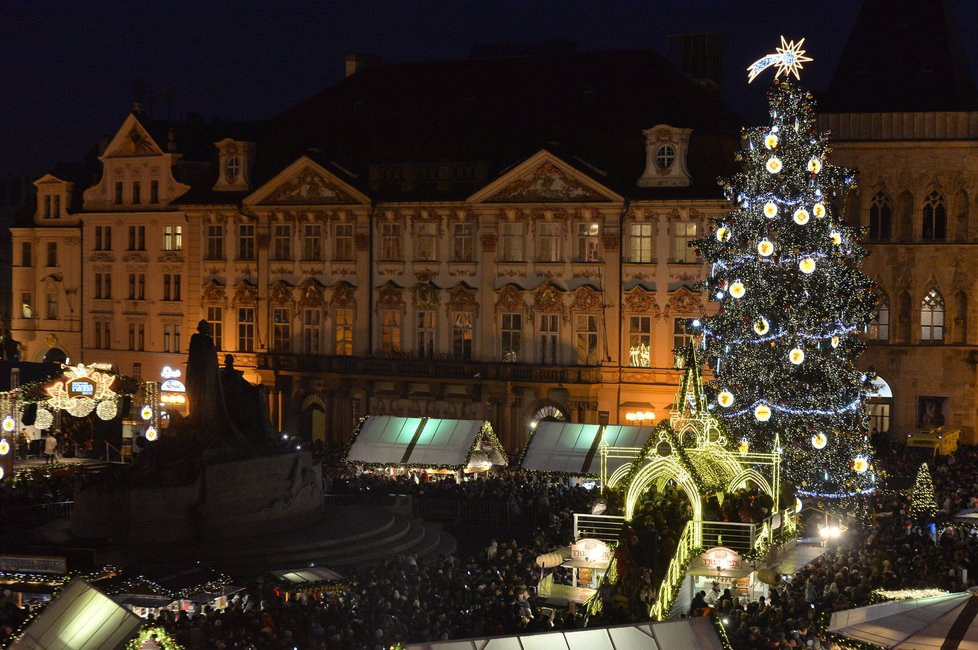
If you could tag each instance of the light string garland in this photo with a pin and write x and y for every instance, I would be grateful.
(784, 350)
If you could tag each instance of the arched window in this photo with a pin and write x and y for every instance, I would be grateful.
(961, 210)
(932, 317)
(935, 218)
(879, 327)
(880, 218)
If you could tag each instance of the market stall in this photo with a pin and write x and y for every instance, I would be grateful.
(571, 574)
(313, 581)
(428, 443)
(571, 448)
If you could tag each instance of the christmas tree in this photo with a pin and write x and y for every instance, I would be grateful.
(785, 270)
(922, 502)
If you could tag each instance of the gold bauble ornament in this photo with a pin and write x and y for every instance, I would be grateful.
(765, 247)
(723, 234)
(814, 165)
(807, 265)
(737, 289)
(818, 210)
(725, 398)
(761, 326)
(860, 464)
(774, 164)
(796, 356)
(836, 238)
(770, 210)
(762, 412)
(801, 216)
(771, 141)
(819, 440)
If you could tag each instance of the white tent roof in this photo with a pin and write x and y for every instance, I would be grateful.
(913, 623)
(314, 574)
(575, 448)
(689, 634)
(390, 440)
(79, 618)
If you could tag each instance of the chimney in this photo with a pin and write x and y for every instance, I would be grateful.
(359, 62)
(698, 57)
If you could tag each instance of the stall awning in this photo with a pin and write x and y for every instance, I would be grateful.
(690, 634)
(420, 442)
(311, 575)
(79, 618)
(574, 448)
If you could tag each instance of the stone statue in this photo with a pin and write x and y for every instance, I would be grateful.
(209, 417)
(248, 408)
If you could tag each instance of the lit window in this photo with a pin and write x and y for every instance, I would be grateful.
(932, 317)
(172, 238)
(640, 341)
(246, 329)
(343, 319)
(462, 335)
(390, 331)
(512, 337)
(511, 242)
(879, 327)
(588, 242)
(281, 329)
(642, 242)
(215, 318)
(549, 242)
(684, 233)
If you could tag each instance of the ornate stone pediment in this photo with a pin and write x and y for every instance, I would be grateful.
(308, 185)
(311, 294)
(390, 296)
(640, 301)
(281, 293)
(586, 299)
(548, 299)
(212, 292)
(344, 294)
(510, 299)
(425, 296)
(546, 183)
(245, 294)
(462, 298)
(684, 301)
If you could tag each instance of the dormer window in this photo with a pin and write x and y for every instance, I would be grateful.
(666, 148)
(235, 159)
(52, 198)
(231, 168)
(665, 156)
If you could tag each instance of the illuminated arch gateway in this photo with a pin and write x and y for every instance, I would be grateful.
(692, 451)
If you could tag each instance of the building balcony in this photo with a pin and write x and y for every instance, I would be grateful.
(388, 366)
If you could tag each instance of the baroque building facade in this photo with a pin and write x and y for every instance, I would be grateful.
(544, 276)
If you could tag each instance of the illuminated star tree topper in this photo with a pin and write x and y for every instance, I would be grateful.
(789, 59)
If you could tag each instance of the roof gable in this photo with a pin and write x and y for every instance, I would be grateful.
(544, 178)
(306, 182)
(132, 139)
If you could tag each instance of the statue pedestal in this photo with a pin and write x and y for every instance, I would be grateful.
(230, 499)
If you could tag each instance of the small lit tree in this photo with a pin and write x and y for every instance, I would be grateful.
(923, 505)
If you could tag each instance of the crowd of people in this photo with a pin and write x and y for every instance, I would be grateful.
(490, 591)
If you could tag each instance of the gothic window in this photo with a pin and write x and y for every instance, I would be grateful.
(879, 327)
(880, 218)
(932, 317)
(935, 218)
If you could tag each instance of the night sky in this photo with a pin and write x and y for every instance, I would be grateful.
(69, 68)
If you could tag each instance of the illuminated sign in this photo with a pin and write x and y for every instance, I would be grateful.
(81, 388)
(170, 373)
(590, 550)
(173, 386)
(721, 558)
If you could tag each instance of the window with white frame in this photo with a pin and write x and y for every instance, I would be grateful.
(343, 250)
(932, 317)
(549, 338)
(312, 242)
(282, 242)
(462, 335)
(426, 334)
(246, 241)
(281, 329)
(246, 329)
(390, 331)
(173, 238)
(587, 339)
(588, 242)
(463, 242)
(215, 318)
(343, 331)
(390, 242)
(215, 241)
(548, 242)
(641, 242)
(511, 241)
(312, 324)
(426, 240)
(172, 286)
(683, 234)
(511, 337)
(640, 341)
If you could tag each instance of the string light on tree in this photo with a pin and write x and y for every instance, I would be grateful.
(923, 505)
(801, 365)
